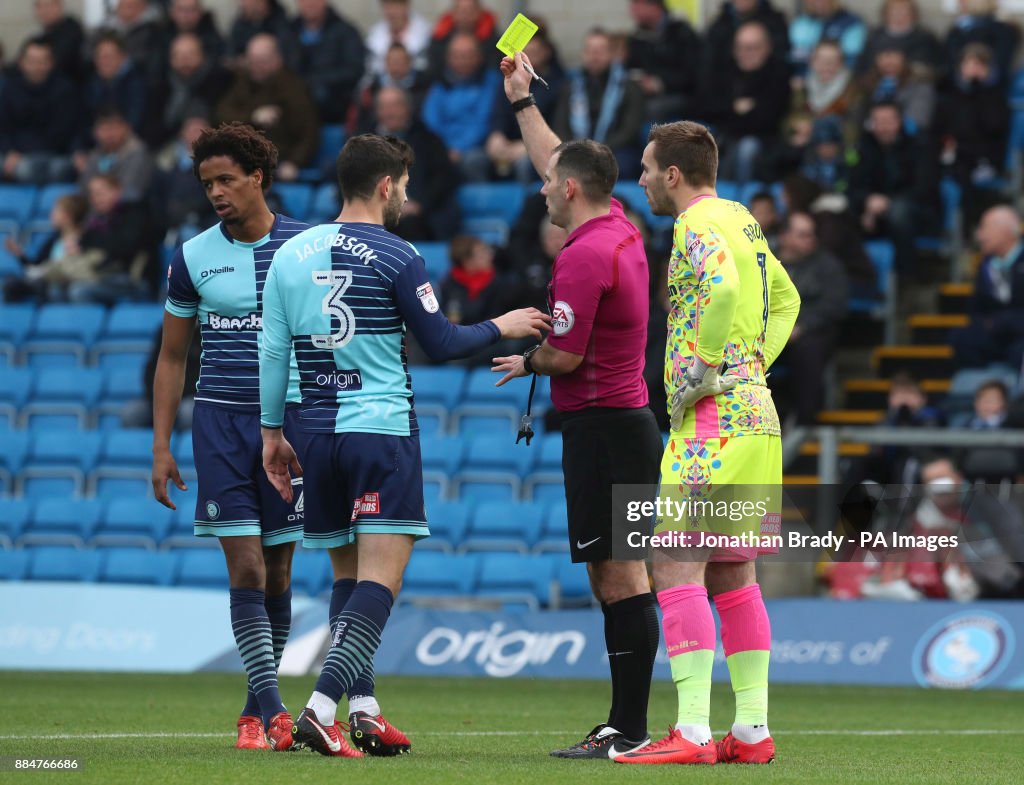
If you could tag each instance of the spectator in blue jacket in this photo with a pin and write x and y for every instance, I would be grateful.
(262, 16)
(331, 57)
(996, 329)
(977, 24)
(38, 121)
(117, 82)
(458, 108)
(825, 20)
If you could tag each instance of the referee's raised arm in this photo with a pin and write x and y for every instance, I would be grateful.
(538, 137)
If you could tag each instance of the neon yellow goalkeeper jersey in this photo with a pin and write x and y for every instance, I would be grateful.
(731, 301)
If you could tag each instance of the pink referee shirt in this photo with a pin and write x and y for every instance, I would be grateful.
(599, 300)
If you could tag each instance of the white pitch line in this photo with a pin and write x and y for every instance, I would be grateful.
(889, 732)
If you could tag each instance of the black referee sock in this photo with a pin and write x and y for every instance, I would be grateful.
(613, 668)
(632, 648)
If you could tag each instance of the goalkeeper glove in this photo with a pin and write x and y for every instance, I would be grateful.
(701, 381)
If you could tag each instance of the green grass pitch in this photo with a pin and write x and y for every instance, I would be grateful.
(179, 729)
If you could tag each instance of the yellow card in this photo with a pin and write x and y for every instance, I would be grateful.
(517, 36)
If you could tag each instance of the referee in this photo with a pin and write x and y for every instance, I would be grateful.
(598, 298)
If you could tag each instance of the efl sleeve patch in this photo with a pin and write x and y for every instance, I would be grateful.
(562, 318)
(425, 294)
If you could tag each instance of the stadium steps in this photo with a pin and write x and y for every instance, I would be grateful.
(923, 362)
(954, 297)
(931, 329)
(806, 461)
(874, 393)
(799, 479)
(851, 416)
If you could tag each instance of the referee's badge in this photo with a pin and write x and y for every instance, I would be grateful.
(425, 294)
(562, 318)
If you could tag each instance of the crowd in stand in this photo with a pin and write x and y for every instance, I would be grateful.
(857, 118)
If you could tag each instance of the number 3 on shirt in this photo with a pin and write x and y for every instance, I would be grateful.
(333, 305)
(762, 262)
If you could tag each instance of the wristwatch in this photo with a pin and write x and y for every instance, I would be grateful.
(522, 103)
(527, 365)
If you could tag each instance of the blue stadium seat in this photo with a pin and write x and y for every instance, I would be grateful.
(573, 584)
(181, 447)
(136, 565)
(727, 189)
(9, 265)
(48, 196)
(57, 465)
(311, 572)
(442, 453)
(16, 385)
(332, 139)
(16, 202)
(492, 200)
(326, 205)
(553, 535)
(448, 522)
(492, 453)
(120, 386)
(14, 514)
(63, 564)
(295, 198)
(503, 420)
(433, 574)
(132, 521)
(493, 231)
(514, 579)
(202, 568)
(545, 487)
(62, 386)
(65, 328)
(486, 486)
(57, 521)
(633, 194)
(182, 529)
(436, 260)
(965, 382)
(435, 487)
(15, 323)
(120, 361)
(432, 420)
(499, 526)
(76, 450)
(132, 447)
(480, 389)
(437, 384)
(549, 459)
(130, 327)
(13, 565)
(13, 449)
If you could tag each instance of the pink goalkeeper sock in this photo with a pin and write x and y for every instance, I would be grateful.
(686, 619)
(745, 625)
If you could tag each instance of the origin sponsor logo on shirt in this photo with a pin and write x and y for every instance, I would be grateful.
(367, 504)
(341, 380)
(425, 294)
(251, 321)
(216, 271)
(562, 318)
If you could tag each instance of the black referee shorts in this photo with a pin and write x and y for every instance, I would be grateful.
(602, 447)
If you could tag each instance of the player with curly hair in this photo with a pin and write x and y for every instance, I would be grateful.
(217, 278)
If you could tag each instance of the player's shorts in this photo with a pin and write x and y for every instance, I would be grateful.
(739, 470)
(362, 483)
(602, 447)
(235, 497)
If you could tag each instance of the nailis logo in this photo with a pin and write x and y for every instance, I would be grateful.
(367, 504)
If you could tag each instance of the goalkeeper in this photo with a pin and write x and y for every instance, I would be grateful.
(732, 310)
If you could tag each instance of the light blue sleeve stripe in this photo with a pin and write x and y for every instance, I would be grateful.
(275, 355)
